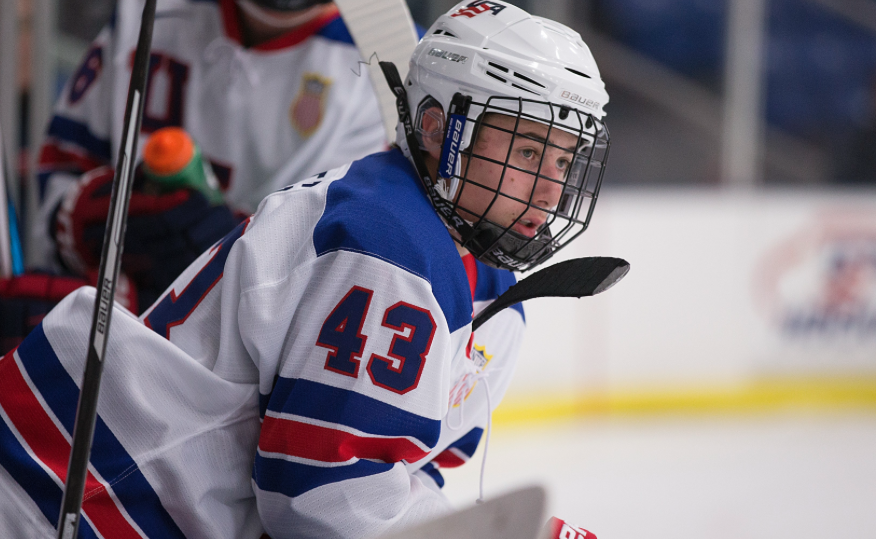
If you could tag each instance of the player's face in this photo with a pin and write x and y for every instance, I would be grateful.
(532, 182)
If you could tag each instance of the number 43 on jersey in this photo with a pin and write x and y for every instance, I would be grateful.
(400, 369)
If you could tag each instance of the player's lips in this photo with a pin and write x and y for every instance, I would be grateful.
(529, 225)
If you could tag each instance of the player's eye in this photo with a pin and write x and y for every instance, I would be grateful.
(528, 153)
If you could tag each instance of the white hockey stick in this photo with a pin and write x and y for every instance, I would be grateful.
(5, 243)
(382, 30)
(516, 515)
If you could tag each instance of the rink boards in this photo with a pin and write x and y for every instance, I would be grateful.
(734, 302)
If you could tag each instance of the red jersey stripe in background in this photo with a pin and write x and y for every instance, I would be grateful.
(54, 157)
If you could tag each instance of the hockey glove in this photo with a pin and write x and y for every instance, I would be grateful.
(560, 529)
(166, 231)
(26, 299)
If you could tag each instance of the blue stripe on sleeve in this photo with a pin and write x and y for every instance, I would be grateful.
(433, 472)
(293, 479)
(79, 134)
(108, 456)
(468, 444)
(34, 480)
(334, 405)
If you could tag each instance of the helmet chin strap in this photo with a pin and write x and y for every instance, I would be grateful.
(443, 206)
(279, 19)
(484, 236)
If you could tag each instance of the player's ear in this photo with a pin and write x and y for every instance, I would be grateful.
(431, 130)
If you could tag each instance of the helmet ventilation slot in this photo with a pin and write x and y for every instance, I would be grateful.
(570, 70)
(507, 71)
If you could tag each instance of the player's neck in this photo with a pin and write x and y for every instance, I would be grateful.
(256, 29)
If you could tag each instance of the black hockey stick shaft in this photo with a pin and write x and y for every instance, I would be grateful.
(574, 278)
(110, 260)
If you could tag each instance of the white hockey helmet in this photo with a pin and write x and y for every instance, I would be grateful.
(490, 57)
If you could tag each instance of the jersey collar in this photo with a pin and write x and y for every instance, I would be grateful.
(289, 39)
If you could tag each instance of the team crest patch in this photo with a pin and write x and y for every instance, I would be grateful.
(463, 389)
(307, 107)
(480, 357)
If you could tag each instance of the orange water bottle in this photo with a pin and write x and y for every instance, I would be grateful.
(173, 161)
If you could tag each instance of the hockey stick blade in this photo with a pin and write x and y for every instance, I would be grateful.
(574, 278)
(108, 272)
(515, 515)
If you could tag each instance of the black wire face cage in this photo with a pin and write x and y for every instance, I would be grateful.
(528, 186)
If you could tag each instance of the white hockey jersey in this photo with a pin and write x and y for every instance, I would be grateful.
(319, 369)
(293, 106)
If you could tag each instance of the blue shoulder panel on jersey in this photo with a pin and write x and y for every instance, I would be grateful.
(380, 209)
(336, 31)
(493, 282)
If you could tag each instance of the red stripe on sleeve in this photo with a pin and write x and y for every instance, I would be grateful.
(325, 444)
(50, 447)
(53, 157)
(448, 459)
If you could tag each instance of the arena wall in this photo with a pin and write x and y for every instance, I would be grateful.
(734, 302)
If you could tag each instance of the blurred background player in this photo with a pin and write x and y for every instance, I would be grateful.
(311, 374)
(265, 88)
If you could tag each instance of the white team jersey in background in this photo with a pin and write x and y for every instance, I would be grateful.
(307, 376)
(263, 116)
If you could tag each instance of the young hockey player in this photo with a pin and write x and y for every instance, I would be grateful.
(310, 374)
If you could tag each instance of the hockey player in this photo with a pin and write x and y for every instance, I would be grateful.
(310, 374)
(266, 88)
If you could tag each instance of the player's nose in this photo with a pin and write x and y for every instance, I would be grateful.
(548, 188)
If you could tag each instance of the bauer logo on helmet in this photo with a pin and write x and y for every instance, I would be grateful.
(575, 98)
